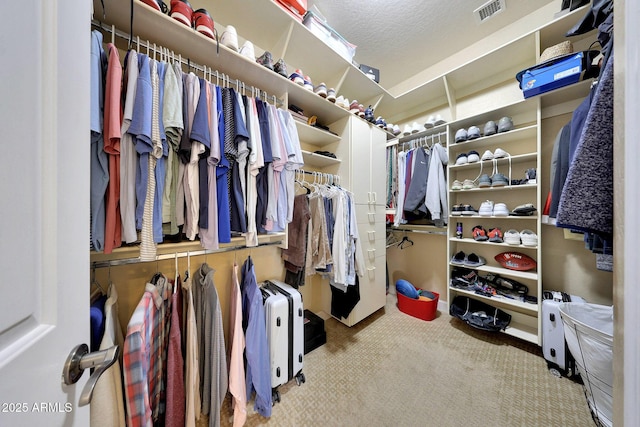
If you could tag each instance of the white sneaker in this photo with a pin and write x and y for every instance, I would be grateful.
(511, 237)
(529, 238)
(396, 130)
(229, 38)
(488, 155)
(430, 122)
(500, 209)
(500, 153)
(486, 208)
(439, 120)
(415, 127)
(407, 130)
(248, 51)
(457, 185)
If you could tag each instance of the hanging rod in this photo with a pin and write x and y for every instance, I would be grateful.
(415, 230)
(125, 261)
(423, 135)
(163, 51)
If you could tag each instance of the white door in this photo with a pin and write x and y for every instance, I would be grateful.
(44, 208)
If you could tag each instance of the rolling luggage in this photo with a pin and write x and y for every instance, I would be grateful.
(554, 346)
(285, 333)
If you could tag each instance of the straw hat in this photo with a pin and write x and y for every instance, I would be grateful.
(556, 51)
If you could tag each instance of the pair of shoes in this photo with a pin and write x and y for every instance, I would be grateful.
(484, 181)
(297, 77)
(488, 208)
(321, 90)
(490, 128)
(472, 157)
(467, 135)
(266, 60)
(471, 260)
(457, 210)
(467, 210)
(396, 130)
(468, 184)
(499, 180)
(525, 237)
(381, 123)
(356, 108)
(307, 84)
(456, 185)
(368, 115)
(200, 20)
(498, 154)
(413, 128)
(432, 121)
(505, 124)
(526, 209)
(342, 102)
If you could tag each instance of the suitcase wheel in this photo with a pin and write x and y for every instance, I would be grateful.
(300, 378)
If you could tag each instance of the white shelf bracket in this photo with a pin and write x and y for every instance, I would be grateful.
(451, 97)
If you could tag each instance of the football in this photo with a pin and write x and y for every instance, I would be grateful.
(516, 261)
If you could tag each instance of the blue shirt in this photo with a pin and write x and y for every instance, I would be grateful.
(258, 374)
(161, 168)
(224, 221)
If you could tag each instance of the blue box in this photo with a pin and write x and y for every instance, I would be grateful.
(559, 73)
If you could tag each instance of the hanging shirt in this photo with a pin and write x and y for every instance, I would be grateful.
(237, 190)
(437, 190)
(99, 168)
(160, 151)
(173, 125)
(209, 235)
(128, 157)
(237, 386)
(112, 124)
(222, 173)
(262, 182)
(192, 376)
(256, 162)
(175, 365)
(200, 134)
(257, 350)
(190, 151)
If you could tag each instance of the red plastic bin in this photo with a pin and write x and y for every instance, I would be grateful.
(421, 309)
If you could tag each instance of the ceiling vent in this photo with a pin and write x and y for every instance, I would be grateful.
(489, 10)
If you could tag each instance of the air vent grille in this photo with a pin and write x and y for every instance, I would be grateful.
(489, 10)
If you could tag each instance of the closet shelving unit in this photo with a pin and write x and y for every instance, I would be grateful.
(271, 28)
(480, 97)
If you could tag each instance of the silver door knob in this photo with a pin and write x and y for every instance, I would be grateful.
(80, 359)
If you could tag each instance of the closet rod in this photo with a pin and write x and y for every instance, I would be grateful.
(185, 61)
(411, 138)
(125, 261)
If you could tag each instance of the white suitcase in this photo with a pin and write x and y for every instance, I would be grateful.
(554, 346)
(285, 333)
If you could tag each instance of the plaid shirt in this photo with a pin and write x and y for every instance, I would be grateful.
(140, 359)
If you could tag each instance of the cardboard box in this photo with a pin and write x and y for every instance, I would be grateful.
(372, 73)
(559, 73)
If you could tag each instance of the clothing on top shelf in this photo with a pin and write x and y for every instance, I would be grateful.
(188, 157)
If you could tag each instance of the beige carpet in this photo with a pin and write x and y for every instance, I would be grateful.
(395, 370)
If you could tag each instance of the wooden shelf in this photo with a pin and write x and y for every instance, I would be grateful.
(502, 271)
(499, 301)
(492, 217)
(502, 139)
(315, 136)
(470, 240)
(519, 158)
(318, 160)
(505, 188)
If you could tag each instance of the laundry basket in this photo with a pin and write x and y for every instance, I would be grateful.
(588, 330)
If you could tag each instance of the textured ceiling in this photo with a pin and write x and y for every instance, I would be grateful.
(403, 37)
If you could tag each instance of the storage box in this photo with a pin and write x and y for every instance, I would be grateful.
(421, 309)
(328, 35)
(297, 8)
(314, 333)
(372, 73)
(559, 73)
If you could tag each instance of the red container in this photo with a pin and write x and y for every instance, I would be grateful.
(425, 310)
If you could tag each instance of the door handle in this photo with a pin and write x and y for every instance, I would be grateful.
(80, 359)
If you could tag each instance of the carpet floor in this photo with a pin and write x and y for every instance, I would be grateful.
(394, 370)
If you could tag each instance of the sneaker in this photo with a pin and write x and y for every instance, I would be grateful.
(528, 238)
(456, 210)
(353, 107)
(505, 124)
(495, 235)
(473, 260)
(431, 121)
(500, 209)
(181, 11)
(159, 6)
(484, 181)
(380, 123)
(473, 132)
(524, 210)
(462, 159)
(486, 208)
(407, 130)
(530, 176)
(468, 184)
(266, 60)
(360, 110)
(331, 95)
(229, 38)
(415, 127)
(479, 234)
(297, 77)
(499, 180)
(389, 127)
(307, 84)
(340, 101)
(468, 210)
(500, 154)
(346, 104)
(459, 258)
(396, 130)
(280, 67)
(512, 237)
(457, 185)
(490, 128)
(321, 90)
(488, 155)
(202, 22)
(473, 156)
(439, 120)
(461, 135)
(248, 51)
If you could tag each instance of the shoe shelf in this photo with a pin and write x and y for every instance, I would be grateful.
(318, 160)
(505, 188)
(499, 301)
(455, 218)
(520, 158)
(485, 243)
(530, 275)
(436, 130)
(501, 140)
(315, 136)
